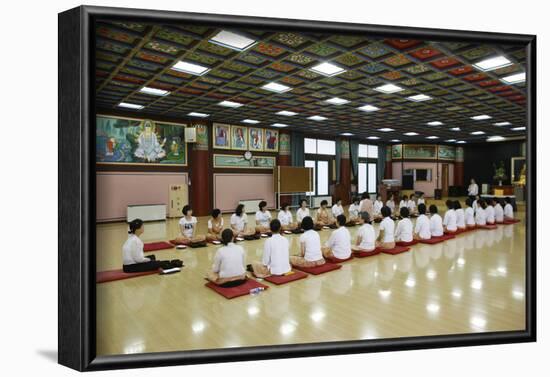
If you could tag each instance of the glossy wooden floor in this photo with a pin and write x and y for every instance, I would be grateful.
(473, 283)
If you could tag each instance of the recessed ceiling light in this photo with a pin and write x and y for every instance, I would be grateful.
(502, 124)
(154, 91)
(410, 134)
(450, 140)
(275, 87)
(327, 69)
(496, 138)
(251, 121)
(481, 117)
(198, 115)
(232, 40)
(432, 137)
(518, 129)
(346, 134)
(316, 117)
(286, 113)
(455, 129)
(337, 101)
(230, 104)
(279, 125)
(477, 133)
(395, 140)
(191, 68)
(386, 129)
(461, 142)
(419, 98)
(368, 108)
(373, 137)
(130, 106)
(514, 79)
(492, 63)
(435, 123)
(388, 88)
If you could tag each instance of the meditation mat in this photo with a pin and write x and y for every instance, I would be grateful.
(241, 290)
(113, 275)
(488, 227)
(439, 239)
(338, 260)
(508, 222)
(287, 278)
(395, 250)
(154, 246)
(364, 254)
(409, 243)
(317, 270)
(198, 244)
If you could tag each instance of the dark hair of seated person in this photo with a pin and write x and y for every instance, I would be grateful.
(456, 204)
(215, 213)
(366, 217)
(323, 203)
(307, 223)
(227, 236)
(275, 225)
(404, 212)
(341, 220)
(450, 204)
(135, 225)
(433, 209)
(385, 211)
(422, 208)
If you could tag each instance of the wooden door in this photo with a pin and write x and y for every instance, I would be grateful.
(445, 180)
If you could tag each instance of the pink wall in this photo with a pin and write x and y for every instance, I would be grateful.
(426, 187)
(117, 190)
(230, 188)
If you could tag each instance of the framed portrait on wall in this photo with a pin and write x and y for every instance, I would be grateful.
(256, 139)
(239, 138)
(221, 136)
(271, 140)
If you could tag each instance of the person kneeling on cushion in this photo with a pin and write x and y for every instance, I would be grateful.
(228, 266)
(386, 239)
(275, 260)
(366, 236)
(310, 247)
(133, 259)
(339, 243)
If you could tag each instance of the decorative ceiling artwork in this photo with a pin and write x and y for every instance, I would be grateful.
(404, 83)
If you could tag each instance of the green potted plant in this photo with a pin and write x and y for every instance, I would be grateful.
(500, 173)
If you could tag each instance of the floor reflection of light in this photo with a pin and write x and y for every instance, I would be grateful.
(502, 271)
(384, 293)
(287, 328)
(317, 316)
(198, 327)
(457, 293)
(431, 274)
(476, 284)
(134, 348)
(478, 322)
(253, 310)
(410, 283)
(433, 308)
(461, 262)
(518, 295)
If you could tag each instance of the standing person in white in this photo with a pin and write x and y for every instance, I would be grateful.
(404, 229)
(310, 247)
(276, 259)
(285, 217)
(422, 226)
(302, 212)
(473, 189)
(188, 228)
(436, 222)
(339, 243)
(229, 264)
(366, 235)
(263, 217)
(449, 220)
(385, 238)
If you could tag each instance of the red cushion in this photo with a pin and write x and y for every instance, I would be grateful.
(403, 243)
(486, 226)
(175, 242)
(317, 270)
(241, 290)
(514, 221)
(282, 279)
(395, 250)
(364, 254)
(338, 260)
(112, 275)
(439, 239)
(153, 246)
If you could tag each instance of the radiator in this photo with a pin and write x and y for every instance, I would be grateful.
(146, 212)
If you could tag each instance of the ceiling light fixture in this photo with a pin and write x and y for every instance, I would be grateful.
(419, 98)
(368, 108)
(154, 91)
(230, 104)
(275, 87)
(130, 105)
(327, 69)
(492, 63)
(388, 88)
(191, 68)
(232, 40)
(337, 101)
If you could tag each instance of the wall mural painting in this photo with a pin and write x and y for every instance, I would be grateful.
(221, 136)
(427, 152)
(397, 151)
(139, 141)
(271, 140)
(237, 161)
(445, 152)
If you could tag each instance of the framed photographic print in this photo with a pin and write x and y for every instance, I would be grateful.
(271, 140)
(239, 138)
(255, 139)
(221, 136)
(137, 285)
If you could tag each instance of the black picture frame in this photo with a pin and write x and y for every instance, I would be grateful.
(76, 188)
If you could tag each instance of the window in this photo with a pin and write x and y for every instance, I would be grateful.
(319, 146)
(322, 177)
(363, 150)
(362, 178)
(366, 177)
(372, 177)
(372, 151)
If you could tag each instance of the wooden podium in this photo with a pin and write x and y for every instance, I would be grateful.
(386, 191)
